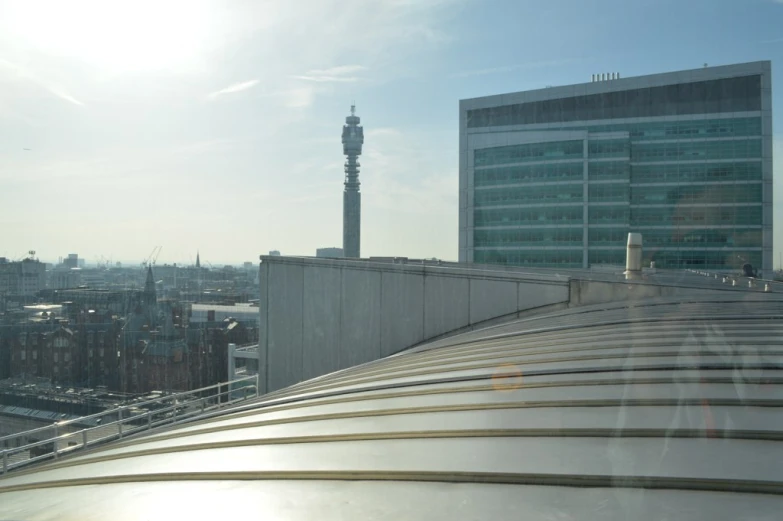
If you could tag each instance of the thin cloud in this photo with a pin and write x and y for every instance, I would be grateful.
(65, 96)
(231, 89)
(341, 73)
(23, 73)
(340, 69)
(334, 79)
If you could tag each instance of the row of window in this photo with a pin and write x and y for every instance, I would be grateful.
(608, 214)
(703, 237)
(608, 193)
(681, 258)
(529, 195)
(719, 260)
(670, 238)
(555, 150)
(697, 216)
(547, 172)
(679, 238)
(608, 170)
(621, 170)
(608, 148)
(741, 94)
(690, 194)
(734, 127)
(59, 342)
(621, 192)
(528, 216)
(713, 260)
(696, 151)
(642, 216)
(698, 129)
(528, 237)
(597, 257)
(533, 258)
(608, 236)
(696, 173)
(56, 355)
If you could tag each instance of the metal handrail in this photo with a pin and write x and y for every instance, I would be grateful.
(172, 413)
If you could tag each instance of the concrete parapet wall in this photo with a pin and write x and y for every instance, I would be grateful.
(321, 315)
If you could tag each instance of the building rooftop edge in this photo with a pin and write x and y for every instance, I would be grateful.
(630, 82)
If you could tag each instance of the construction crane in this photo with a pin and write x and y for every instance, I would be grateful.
(152, 257)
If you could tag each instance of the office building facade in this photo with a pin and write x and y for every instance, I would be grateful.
(557, 177)
(23, 278)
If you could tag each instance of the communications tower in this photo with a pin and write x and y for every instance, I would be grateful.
(353, 138)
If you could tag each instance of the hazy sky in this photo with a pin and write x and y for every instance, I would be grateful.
(215, 125)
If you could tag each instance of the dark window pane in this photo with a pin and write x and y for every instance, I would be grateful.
(724, 95)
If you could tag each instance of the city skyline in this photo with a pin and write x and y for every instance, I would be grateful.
(203, 135)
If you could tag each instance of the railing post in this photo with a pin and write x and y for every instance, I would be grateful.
(5, 461)
(55, 443)
(149, 420)
(174, 414)
(218, 394)
(84, 438)
(119, 421)
(258, 384)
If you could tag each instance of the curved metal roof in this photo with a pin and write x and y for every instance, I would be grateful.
(648, 410)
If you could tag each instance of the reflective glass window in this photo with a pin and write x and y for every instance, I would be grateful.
(697, 173)
(608, 148)
(741, 94)
(542, 172)
(609, 192)
(529, 216)
(696, 194)
(608, 170)
(529, 195)
(528, 237)
(606, 257)
(707, 237)
(705, 259)
(696, 151)
(608, 236)
(528, 152)
(696, 216)
(608, 214)
(554, 258)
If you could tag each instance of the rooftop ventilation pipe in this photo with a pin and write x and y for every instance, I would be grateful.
(633, 256)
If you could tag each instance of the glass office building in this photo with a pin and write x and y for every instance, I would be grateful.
(557, 177)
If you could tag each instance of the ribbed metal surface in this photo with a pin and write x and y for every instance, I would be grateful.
(655, 410)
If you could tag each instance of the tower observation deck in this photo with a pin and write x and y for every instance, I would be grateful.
(353, 138)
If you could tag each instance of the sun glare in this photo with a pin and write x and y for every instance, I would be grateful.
(118, 35)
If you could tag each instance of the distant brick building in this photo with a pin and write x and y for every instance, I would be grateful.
(153, 352)
(208, 343)
(149, 348)
(83, 357)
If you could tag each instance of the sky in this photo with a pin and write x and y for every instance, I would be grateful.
(214, 126)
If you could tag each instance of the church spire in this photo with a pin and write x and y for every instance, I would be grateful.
(198, 260)
(150, 297)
